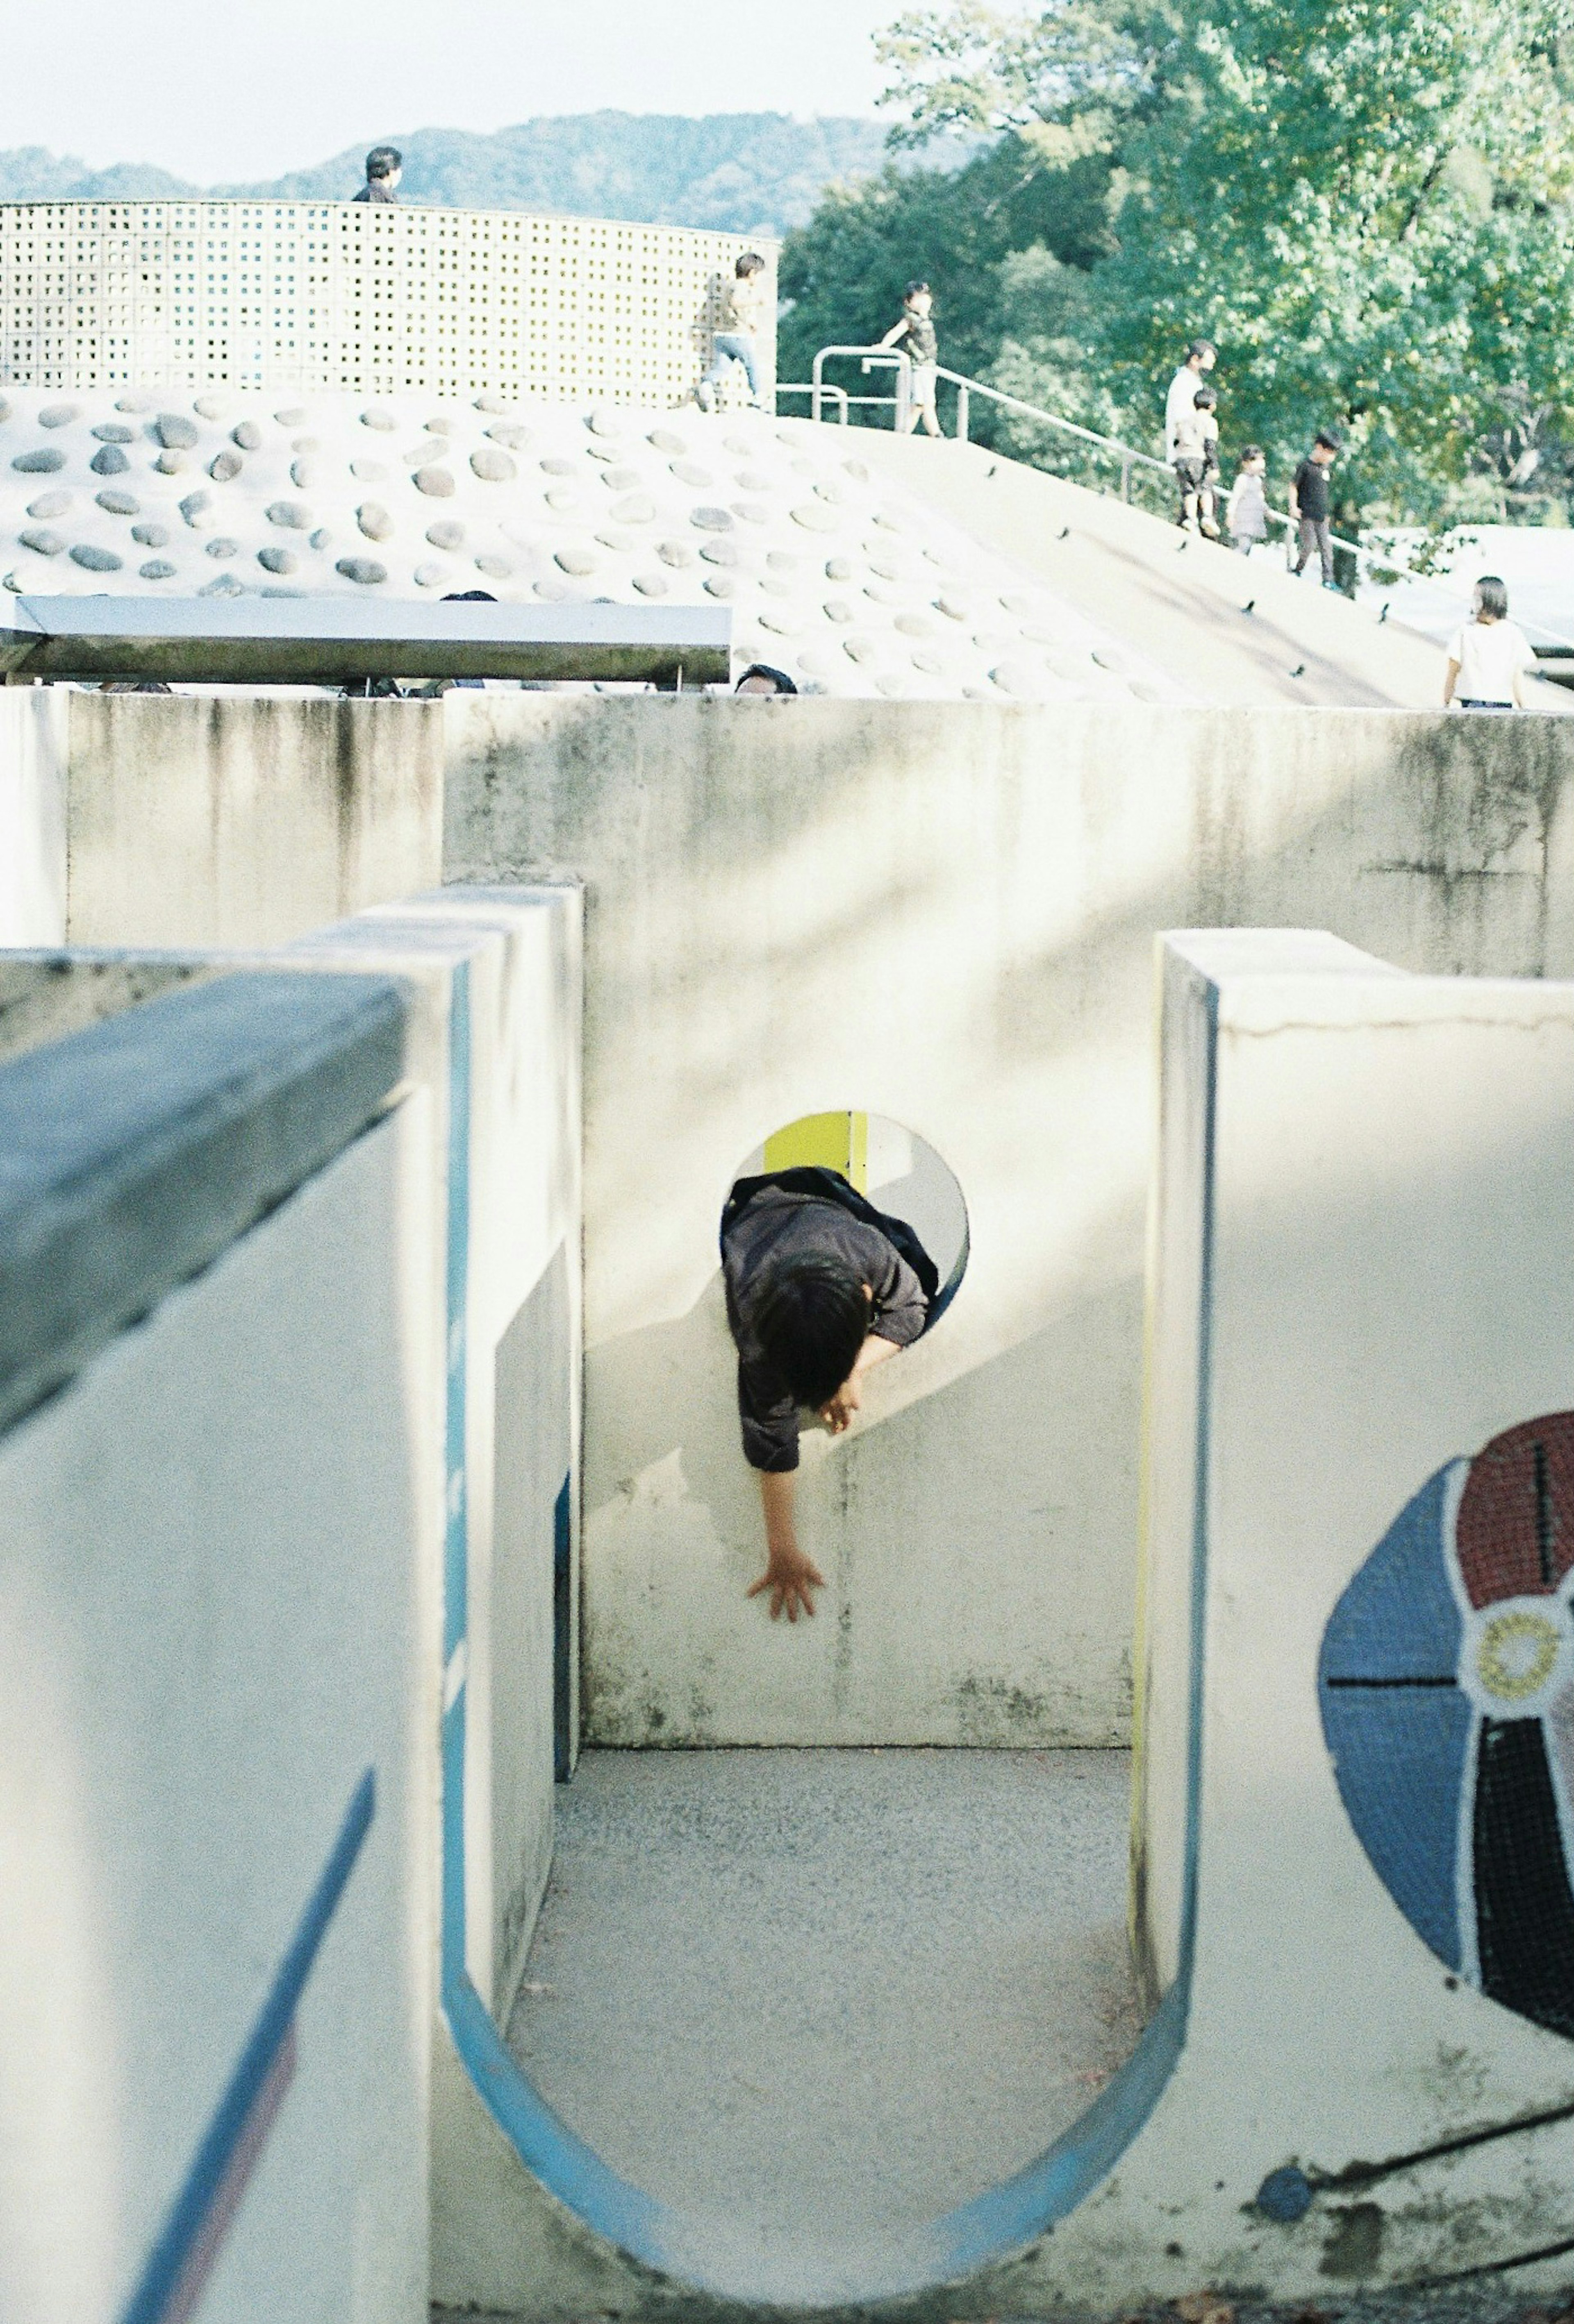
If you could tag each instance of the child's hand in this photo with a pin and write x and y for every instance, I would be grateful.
(837, 1415)
(790, 1575)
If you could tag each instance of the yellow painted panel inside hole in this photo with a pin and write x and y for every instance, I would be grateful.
(825, 1141)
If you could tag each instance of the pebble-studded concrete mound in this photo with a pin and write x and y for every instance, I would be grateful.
(855, 586)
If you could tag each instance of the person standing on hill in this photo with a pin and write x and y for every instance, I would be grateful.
(1246, 517)
(384, 168)
(915, 336)
(1196, 464)
(1309, 505)
(738, 324)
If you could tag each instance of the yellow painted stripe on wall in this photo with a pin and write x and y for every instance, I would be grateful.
(825, 1141)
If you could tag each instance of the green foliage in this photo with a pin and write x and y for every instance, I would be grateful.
(1366, 203)
(965, 230)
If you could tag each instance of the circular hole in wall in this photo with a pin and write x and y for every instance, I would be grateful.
(894, 1169)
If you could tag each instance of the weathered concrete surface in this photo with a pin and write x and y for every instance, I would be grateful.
(32, 816)
(1233, 631)
(238, 820)
(235, 1484)
(944, 914)
(830, 1991)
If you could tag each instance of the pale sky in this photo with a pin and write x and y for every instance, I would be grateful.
(231, 90)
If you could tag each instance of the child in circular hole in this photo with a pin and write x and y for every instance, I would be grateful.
(1488, 658)
(820, 1288)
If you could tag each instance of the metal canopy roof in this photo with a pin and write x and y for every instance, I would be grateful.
(338, 640)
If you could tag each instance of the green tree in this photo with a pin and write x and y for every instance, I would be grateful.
(962, 230)
(1365, 203)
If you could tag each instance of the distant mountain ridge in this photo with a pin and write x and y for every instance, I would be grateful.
(734, 172)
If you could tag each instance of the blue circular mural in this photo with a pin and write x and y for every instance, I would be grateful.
(1447, 1687)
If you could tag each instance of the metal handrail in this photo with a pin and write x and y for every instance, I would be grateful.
(874, 358)
(802, 387)
(1127, 454)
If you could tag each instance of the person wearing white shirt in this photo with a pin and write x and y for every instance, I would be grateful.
(1200, 357)
(1488, 658)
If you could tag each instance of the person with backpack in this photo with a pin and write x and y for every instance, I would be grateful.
(820, 1288)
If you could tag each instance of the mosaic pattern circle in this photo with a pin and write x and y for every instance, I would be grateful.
(1447, 1688)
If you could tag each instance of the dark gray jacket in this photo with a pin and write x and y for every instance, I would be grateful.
(778, 1225)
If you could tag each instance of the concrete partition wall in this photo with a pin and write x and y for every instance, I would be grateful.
(485, 1257)
(218, 1716)
(32, 815)
(1356, 1859)
(221, 820)
(507, 1158)
(943, 913)
(1353, 1876)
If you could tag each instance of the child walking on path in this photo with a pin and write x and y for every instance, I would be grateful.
(1489, 657)
(1246, 517)
(739, 322)
(1195, 436)
(916, 337)
(1309, 505)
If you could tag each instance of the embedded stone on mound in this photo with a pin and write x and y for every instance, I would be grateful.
(848, 581)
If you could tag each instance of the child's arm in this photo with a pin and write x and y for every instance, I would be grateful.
(897, 331)
(789, 1574)
(1451, 679)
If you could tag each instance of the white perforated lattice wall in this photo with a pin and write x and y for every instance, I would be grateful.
(314, 295)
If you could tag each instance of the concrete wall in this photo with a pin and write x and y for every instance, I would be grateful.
(230, 1477)
(473, 1248)
(1361, 1280)
(237, 820)
(506, 1165)
(943, 913)
(288, 296)
(937, 912)
(1356, 2080)
(32, 816)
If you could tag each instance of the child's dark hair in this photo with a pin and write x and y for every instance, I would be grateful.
(1491, 596)
(1251, 452)
(751, 263)
(812, 1316)
(778, 678)
(1200, 347)
(382, 161)
(1204, 400)
(913, 290)
(1331, 439)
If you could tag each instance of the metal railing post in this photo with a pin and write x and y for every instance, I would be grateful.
(1125, 480)
(964, 413)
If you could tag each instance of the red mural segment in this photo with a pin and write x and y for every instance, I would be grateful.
(1516, 1530)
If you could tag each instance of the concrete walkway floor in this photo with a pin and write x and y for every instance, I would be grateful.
(825, 1994)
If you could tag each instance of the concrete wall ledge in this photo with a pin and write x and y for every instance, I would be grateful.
(136, 1152)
